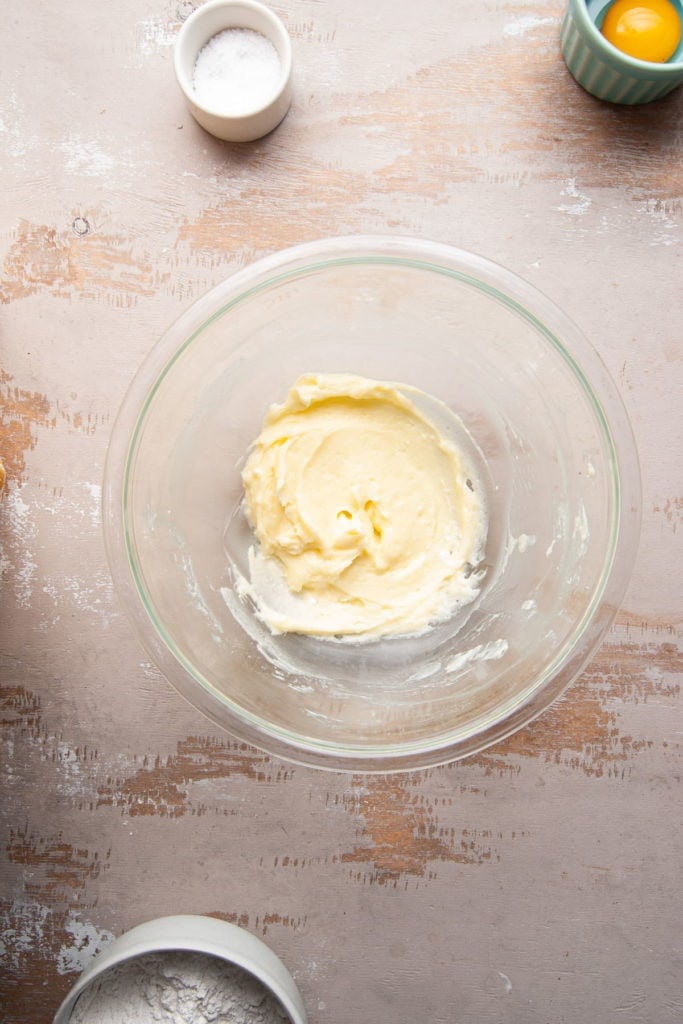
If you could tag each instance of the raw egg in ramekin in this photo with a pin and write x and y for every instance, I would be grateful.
(624, 51)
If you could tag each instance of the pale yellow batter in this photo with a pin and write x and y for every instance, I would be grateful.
(368, 520)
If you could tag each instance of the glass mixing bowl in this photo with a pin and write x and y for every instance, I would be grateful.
(537, 413)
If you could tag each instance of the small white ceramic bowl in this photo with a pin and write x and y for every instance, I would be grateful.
(196, 934)
(201, 26)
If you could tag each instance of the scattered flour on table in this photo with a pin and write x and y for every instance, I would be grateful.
(177, 987)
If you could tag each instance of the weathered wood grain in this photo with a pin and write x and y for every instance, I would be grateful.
(537, 882)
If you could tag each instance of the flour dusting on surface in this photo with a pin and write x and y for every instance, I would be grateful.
(665, 224)
(155, 35)
(87, 942)
(95, 492)
(84, 156)
(527, 23)
(16, 137)
(16, 556)
(580, 204)
(22, 929)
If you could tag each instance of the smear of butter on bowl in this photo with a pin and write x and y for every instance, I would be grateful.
(482, 652)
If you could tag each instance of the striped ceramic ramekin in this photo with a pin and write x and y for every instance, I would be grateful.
(605, 71)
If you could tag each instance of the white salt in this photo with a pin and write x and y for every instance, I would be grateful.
(236, 72)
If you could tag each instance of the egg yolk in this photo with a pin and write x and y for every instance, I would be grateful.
(646, 29)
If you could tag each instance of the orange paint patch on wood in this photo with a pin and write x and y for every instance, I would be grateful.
(582, 730)
(20, 711)
(67, 263)
(21, 412)
(78, 421)
(404, 836)
(284, 920)
(270, 222)
(161, 788)
(240, 918)
(58, 869)
(260, 923)
(634, 624)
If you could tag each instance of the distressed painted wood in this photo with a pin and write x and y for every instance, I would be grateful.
(538, 882)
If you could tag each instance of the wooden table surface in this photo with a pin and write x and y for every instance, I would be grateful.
(537, 883)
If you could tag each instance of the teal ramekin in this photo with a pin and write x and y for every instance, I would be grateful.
(606, 72)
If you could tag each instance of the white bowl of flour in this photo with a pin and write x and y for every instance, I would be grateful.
(185, 969)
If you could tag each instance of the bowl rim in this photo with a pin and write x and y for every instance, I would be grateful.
(608, 406)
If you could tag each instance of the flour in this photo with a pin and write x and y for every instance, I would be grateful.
(177, 988)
